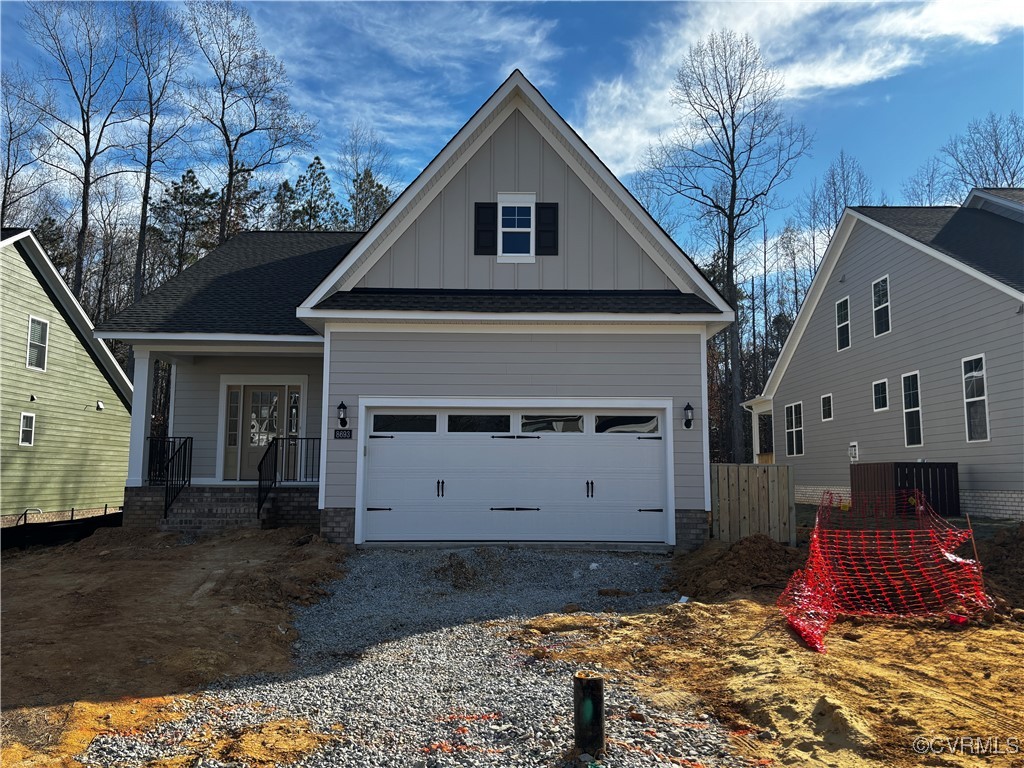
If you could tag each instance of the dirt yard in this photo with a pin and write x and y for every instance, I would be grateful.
(112, 634)
(105, 634)
(880, 686)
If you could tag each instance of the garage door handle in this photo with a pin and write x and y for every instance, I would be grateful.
(442, 489)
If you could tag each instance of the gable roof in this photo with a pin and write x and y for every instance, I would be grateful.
(39, 263)
(980, 239)
(249, 285)
(930, 236)
(1014, 194)
(516, 92)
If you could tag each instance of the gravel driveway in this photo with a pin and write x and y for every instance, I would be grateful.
(407, 663)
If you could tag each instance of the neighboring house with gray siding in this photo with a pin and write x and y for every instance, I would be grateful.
(514, 352)
(910, 346)
(64, 401)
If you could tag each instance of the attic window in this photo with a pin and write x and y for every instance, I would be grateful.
(515, 228)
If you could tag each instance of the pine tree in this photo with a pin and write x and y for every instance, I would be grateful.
(282, 211)
(187, 216)
(317, 209)
(369, 200)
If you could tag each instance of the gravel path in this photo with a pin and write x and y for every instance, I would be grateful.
(405, 656)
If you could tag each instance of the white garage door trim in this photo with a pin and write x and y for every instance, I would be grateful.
(367, 403)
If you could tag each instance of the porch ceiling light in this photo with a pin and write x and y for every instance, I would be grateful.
(688, 416)
(342, 414)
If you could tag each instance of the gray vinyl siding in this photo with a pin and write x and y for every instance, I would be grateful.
(517, 365)
(80, 454)
(939, 315)
(594, 252)
(197, 399)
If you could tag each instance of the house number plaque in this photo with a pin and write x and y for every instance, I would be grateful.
(343, 434)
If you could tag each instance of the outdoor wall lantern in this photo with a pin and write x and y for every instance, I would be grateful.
(99, 405)
(688, 416)
(342, 413)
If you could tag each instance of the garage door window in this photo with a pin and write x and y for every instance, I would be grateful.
(405, 422)
(548, 423)
(480, 422)
(628, 424)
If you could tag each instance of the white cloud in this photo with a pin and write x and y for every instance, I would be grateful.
(817, 47)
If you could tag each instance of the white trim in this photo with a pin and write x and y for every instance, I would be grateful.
(875, 408)
(142, 405)
(21, 429)
(74, 311)
(705, 426)
(987, 196)
(887, 305)
(260, 337)
(171, 396)
(582, 328)
(984, 384)
(28, 344)
(824, 274)
(517, 318)
(786, 430)
(252, 379)
(445, 165)
(848, 324)
(919, 408)
(663, 405)
(949, 260)
(518, 200)
(831, 407)
(325, 419)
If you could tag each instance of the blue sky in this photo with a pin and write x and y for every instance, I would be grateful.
(887, 82)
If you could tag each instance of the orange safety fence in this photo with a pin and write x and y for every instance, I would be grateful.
(889, 556)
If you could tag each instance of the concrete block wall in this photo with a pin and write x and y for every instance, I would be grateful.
(691, 529)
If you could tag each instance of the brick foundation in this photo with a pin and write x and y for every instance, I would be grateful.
(338, 524)
(691, 529)
(292, 506)
(1006, 505)
(143, 507)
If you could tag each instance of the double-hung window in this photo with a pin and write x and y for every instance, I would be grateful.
(38, 337)
(880, 395)
(826, 407)
(843, 323)
(975, 398)
(515, 227)
(912, 432)
(795, 429)
(880, 305)
(27, 434)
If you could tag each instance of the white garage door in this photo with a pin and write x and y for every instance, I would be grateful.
(515, 475)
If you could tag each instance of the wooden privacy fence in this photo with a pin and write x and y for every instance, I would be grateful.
(753, 498)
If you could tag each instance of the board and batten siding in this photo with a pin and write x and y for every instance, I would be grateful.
(482, 365)
(197, 399)
(80, 454)
(939, 315)
(594, 251)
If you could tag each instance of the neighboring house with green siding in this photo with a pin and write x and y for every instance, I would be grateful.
(64, 401)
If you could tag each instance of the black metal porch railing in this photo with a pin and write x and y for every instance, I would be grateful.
(177, 472)
(160, 451)
(288, 460)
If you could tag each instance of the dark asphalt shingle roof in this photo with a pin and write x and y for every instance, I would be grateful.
(1016, 194)
(986, 241)
(513, 301)
(7, 232)
(251, 284)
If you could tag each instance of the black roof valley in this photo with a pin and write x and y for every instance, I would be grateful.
(990, 243)
(251, 284)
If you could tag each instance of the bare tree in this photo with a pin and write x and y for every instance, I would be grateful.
(368, 175)
(158, 43)
(90, 74)
(244, 102)
(928, 185)
(733, 149)
(23, 141)
(990, 153)
(844, 184)
(644, 186)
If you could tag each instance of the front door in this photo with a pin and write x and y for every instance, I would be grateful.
(263, 409)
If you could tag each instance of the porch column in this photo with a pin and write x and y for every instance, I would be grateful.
(755, 433)
(142, 407)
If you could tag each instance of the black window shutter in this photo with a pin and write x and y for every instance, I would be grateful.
(485, 237)
(547, 229)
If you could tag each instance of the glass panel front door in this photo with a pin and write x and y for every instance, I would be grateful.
(261, 414)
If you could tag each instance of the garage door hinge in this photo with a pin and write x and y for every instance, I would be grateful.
(378, 509)
(382, 437)
(649, 437)
(659, 509)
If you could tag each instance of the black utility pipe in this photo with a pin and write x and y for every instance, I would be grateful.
(588, 712)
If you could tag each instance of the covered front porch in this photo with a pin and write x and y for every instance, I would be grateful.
(244, 423)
